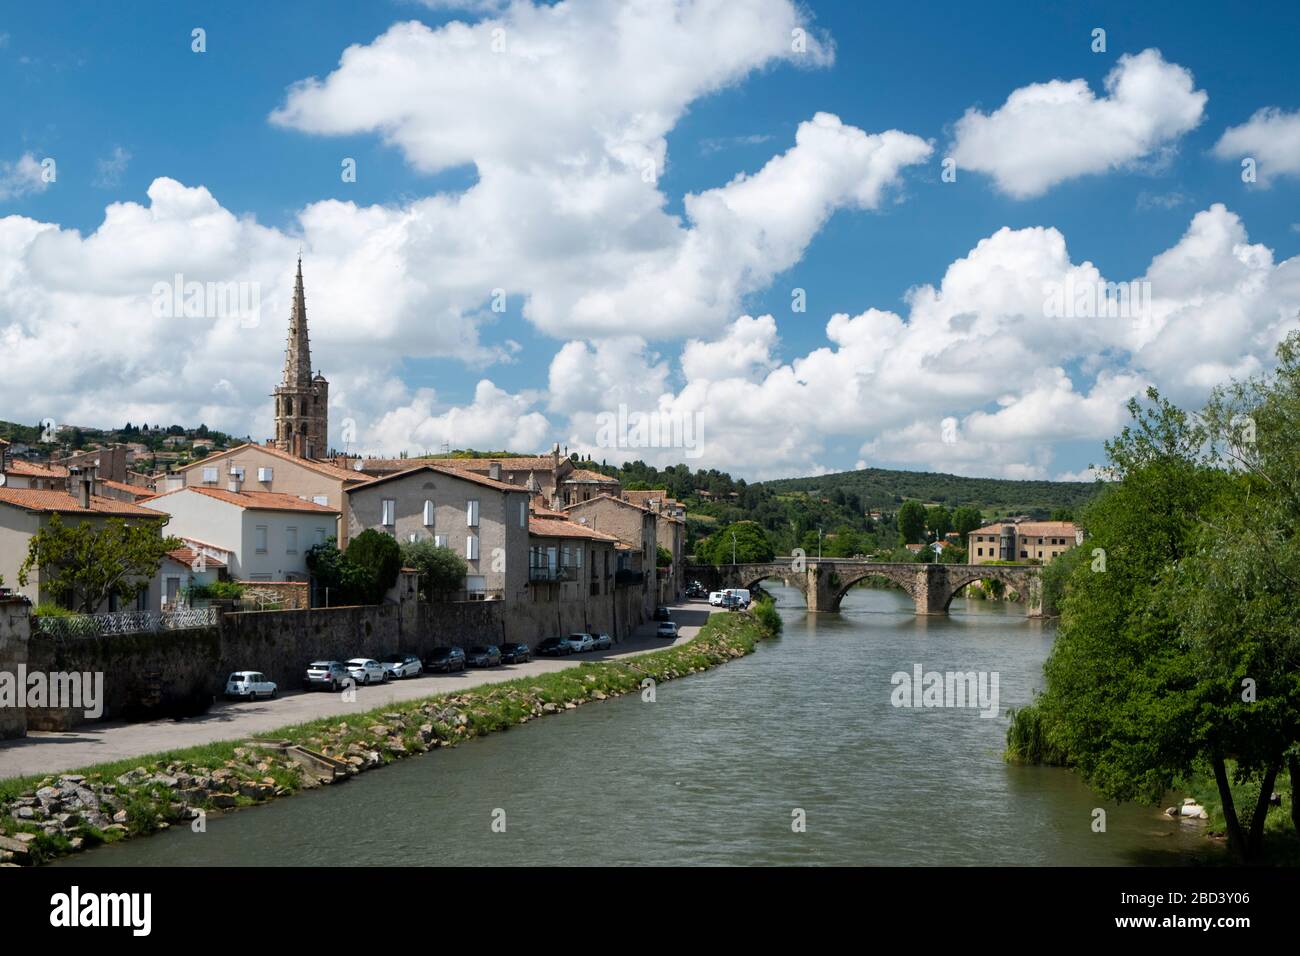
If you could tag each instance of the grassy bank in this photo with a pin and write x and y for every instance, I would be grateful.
(45, 817)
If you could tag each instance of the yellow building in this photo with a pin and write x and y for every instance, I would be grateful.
(1022, 541)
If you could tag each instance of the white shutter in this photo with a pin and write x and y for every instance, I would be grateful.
(428, 513)
(471, 547)
(440, 541)
(471, 513)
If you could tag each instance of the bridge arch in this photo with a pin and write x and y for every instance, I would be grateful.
(903, 577)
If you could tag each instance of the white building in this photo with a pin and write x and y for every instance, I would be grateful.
(265, 534)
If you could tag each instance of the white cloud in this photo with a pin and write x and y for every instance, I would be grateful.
(1046, 133)
(1271, 137)
(21, 178)
(109, 169)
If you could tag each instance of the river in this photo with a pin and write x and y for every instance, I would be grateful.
(715, 770)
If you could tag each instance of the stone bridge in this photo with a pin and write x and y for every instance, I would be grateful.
(825, 581)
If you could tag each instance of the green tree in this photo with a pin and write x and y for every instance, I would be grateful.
(1139, 693)
(965, 520)
(911, 522)
(85, 565)
(377, 559)
(751, 544)
(939, 520)
(1063, 514)
(442, 570)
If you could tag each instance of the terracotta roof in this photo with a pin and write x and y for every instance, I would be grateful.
(30, 469)
(522, 463)
(603, 496)
(563, 528)
(253, 500)
(1033, 528)
(188, 556)
(320, 467)
(135, 490)
(582, 474)
(450, 473)
(61, 502)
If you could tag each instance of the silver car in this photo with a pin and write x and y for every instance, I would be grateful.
(603, 642)
(328, 674)
(582, 642)
(364, 670)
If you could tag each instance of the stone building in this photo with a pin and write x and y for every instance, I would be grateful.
(1038, 541)
(301, 399)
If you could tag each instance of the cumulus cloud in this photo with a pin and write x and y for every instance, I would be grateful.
(1047, 133)
(1271, 137)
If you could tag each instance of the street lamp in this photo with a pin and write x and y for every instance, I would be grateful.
(733, 547)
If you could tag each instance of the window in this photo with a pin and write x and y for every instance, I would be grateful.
(428, 513)
(440, 541)
(523, 514)
(980, 552)
(471, 513)
(388, 515)
(237, 472)
(475, 583)
(578, 554)
(264, 474)
(471, 547)
(209, 476)
(259, 539)
(291, 540)
(320, 500)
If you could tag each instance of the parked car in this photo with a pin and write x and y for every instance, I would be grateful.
(715, 598)
(328, 674)
(483, 655)
(249, 685)
(444, 660)
(402, 665)
(582, 642)
(663, 614)
(364, 670)
(666, 629)
(603, 642)
(555, 647)
(515, 654)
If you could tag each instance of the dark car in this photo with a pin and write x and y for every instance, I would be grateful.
(444, 660)
(483, 655)
(663, 614)
(515, 654)
(555, 647)
(603, 641)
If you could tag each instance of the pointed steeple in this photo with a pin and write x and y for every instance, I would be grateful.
(297, 353)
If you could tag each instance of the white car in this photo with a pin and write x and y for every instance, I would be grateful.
(249, 685)
(715, 598)
(364, 670)
(582, 642)
(403, 665)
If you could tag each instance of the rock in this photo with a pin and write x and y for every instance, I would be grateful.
(192, 795)
(76, 843)
(23, 813)
(24, 837)
(72, 778)
(17, 846)
(120, 817)
(223, 801)
(86, 798)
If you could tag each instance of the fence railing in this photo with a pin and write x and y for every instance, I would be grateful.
(125, 622)
(567, 572)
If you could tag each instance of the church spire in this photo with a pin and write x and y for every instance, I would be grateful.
(297, 354)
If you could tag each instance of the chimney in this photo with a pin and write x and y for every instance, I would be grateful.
(494, 471)
(234, 484)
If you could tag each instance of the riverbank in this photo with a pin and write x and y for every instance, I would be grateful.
(43, 818)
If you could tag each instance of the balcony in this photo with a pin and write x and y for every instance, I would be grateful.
(553, 574)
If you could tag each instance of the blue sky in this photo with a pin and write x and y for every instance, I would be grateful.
(116, 95)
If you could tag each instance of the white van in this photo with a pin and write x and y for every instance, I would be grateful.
(715, 598)
(739, 596)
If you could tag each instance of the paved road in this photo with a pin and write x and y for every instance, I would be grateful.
(50, 752)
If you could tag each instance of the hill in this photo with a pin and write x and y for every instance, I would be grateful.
(885, 489)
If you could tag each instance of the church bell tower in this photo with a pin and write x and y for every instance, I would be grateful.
(301, 400)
